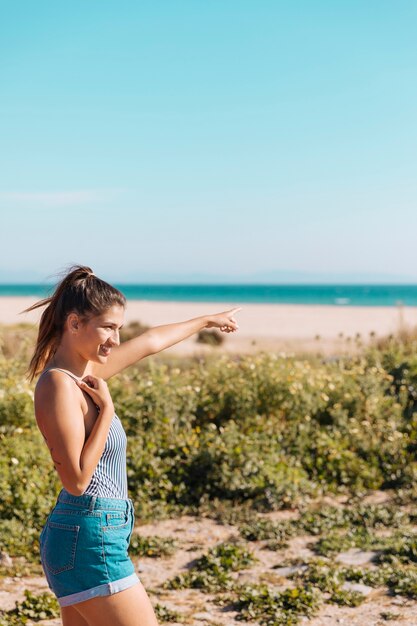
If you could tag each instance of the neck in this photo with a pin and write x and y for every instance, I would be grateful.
(70, 361)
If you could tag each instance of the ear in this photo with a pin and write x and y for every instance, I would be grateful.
(73, 322)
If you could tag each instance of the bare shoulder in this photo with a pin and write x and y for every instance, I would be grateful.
(53, 380)
(60, 420)
(52, 389)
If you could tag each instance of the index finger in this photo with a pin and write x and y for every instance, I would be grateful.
(90, 380)
(89, 377)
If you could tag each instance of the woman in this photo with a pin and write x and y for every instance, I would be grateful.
(84, 542)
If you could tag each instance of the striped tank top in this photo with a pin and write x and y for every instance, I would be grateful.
(109, 479)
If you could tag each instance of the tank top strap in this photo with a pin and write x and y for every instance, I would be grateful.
(65, 372)
(61, 370)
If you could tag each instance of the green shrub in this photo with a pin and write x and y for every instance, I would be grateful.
(211, 572)
(271, 608)
(402, 548)
(210, 337)
(28, 483)
(346, 597)
(164, 614)
(33, 608)
(262, 529)
(265, 430)
(152, 546)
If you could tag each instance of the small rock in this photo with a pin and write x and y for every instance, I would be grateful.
(7, 601)
(360, 587)
(356, 557)
(287, 571)
(5, 559)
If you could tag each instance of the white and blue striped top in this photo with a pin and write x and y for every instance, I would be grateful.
(109, 479)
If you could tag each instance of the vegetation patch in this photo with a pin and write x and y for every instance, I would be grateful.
(346, 597)
(388, 616)
(329, 579)
(276, 608)
(234, 438)
(164, 614)
(337, 541)
(18, 540)
(356, 515)
(152, 546)
(33, 608)
(210, 337)
(264, 529)
(212, 571)
(268, 430)
(400, 548)
(343, 528)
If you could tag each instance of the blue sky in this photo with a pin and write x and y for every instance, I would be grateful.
(172, 140)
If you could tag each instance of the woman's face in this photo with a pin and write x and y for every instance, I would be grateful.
(96, 337)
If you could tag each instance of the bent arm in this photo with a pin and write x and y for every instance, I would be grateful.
(61, 422)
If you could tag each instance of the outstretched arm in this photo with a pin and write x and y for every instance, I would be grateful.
(159, 338)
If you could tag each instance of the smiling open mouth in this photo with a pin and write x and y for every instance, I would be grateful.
(105, 351)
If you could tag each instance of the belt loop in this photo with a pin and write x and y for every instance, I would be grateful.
(92, 502)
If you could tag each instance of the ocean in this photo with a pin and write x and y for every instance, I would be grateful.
(338, 295)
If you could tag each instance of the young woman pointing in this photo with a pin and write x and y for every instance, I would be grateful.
(84, 542)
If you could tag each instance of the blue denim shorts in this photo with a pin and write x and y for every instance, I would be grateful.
(84, 547)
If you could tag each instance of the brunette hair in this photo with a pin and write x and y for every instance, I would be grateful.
(79, 291)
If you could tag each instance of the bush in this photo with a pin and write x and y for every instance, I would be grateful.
(269, 430)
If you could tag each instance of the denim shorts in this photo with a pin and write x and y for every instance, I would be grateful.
(84, 547)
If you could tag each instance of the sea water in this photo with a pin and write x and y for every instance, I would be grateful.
(338, 295)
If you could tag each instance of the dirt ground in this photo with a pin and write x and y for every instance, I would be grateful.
(195, 535)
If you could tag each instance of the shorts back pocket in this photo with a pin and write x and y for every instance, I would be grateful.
(59, 546)
(115, 521)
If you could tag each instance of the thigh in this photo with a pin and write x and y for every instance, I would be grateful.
(131, 607)
(71, 617)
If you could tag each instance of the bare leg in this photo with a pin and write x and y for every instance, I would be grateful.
(71, 617)
(131, 607)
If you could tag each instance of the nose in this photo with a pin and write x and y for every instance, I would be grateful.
(115, 338)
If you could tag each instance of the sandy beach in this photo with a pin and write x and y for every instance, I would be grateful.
(290, 327)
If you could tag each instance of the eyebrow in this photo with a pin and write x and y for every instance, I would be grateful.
(108, 323)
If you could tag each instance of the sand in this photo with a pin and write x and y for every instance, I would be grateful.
(261, 326)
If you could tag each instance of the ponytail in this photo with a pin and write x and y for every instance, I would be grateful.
(81, 291)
